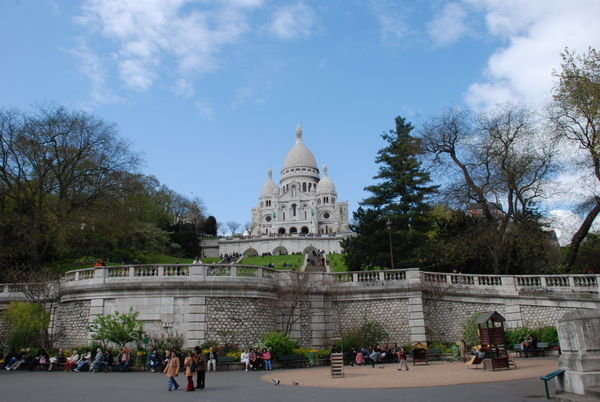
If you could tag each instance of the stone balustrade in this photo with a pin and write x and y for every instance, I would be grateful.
(504, 284)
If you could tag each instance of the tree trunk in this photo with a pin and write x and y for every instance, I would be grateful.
(578, 237)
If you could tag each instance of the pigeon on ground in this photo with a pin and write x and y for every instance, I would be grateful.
(275, 381)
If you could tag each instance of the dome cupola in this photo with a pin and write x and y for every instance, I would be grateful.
(325, 185)
(299, 161)
(269, 188)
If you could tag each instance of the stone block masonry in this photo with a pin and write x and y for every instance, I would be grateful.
(226, 304)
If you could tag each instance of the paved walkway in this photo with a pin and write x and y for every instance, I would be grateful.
(240, 386)
(431, 375)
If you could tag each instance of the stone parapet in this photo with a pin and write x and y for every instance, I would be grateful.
(213, 302)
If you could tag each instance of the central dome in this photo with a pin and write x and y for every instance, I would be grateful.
(299, 155)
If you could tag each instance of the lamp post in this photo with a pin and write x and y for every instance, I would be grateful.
(388, 224)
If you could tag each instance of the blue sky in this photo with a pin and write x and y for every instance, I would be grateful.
(210, 92)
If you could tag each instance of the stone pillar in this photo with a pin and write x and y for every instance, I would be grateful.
(513, 315)
(579, 335)
(416, 313)
(194, 321)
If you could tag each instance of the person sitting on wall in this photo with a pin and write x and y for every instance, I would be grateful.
(84, 362)
(108, 360)
(252, 359)
(245, 359)
(72, 361)
(123, 364)
(154, 361)
(98, 363)
(211, 358)
(57, 360)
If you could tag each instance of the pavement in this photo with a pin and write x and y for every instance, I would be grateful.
(421, 383)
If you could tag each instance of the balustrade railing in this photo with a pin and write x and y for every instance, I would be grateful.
(503, 283)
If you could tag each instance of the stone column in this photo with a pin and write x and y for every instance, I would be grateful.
(416, 313)
(513, 314)
(194, 316)
(579, 334)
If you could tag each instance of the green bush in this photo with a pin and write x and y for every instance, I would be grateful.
(470, 332)
(22, 337)
(546, 334)
(550, 335)
(279, 343)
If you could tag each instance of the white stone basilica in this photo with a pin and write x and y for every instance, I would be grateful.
(303, 203)
(299, 215)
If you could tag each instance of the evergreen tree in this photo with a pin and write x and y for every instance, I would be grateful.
(400, 196)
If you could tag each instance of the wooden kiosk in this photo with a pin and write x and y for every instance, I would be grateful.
(491, 336)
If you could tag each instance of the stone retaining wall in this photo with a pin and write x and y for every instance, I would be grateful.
(230, 304)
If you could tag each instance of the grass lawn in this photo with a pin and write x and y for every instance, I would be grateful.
(337, 263)
(291, 261)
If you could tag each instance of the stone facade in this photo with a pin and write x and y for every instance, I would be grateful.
(235, 304)
(446, 318)
(392, 314)
(240, 321)
(71, 323)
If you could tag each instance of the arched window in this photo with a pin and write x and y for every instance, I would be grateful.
(293, 209)
(304, 187)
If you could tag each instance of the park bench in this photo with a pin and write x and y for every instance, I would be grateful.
(548, 377)
(419, 356)
(434, 354)
(539, 350)
(292, 360)
(228, 361)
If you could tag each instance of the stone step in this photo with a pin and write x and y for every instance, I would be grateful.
(593, 391)
(568, 397)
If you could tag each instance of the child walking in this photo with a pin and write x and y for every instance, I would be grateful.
(402, 359)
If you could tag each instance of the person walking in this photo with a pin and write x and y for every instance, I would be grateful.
(200, 368)
(172, 370)
(402, 359)
(189, 365)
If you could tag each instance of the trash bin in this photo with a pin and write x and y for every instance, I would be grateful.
(311, 358)
(455, 352)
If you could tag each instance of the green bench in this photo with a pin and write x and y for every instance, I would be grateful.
(228, 361)
(434, 354)
(292, 360)
(548, 377)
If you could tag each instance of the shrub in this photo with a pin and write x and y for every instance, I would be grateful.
(470, 332)
(279, 343)
(550, 335)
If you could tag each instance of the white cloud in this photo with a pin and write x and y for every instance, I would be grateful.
(449, 25)
(245, 95)
(183, 88)
(536, 32)
(152, 33)
(292, 21)
(205, 110)
(92, 67)
(392, 19)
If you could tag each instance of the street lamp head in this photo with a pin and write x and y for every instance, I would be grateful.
(389, 224)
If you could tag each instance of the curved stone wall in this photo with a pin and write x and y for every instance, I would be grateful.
(238, 304)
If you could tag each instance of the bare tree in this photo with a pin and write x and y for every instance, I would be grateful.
(293, 293)
(500, 166)
(575, 113)
(233, 226)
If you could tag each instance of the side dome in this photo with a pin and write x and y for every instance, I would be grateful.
(299, 155)
(269, 188)
(325, 185)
